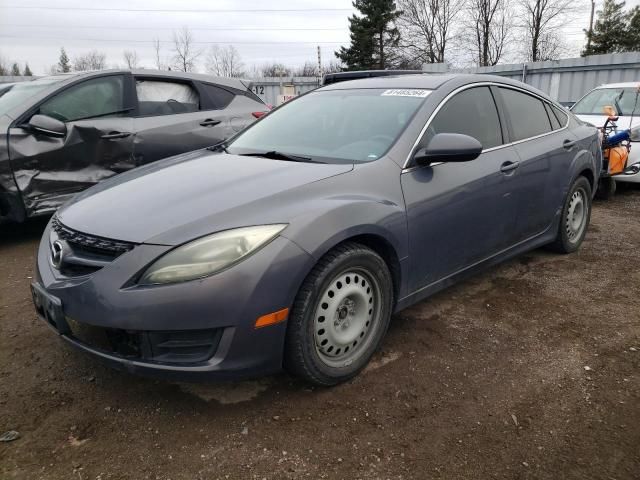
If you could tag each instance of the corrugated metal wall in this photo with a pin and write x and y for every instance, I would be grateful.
(565, 80)
(269, 88)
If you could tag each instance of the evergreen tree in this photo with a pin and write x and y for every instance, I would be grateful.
(63, 62)
(15, 70)
(27, 71)
(610, 30)
(374, 36)
(632, 36)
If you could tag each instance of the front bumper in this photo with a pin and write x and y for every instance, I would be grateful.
(219, 311)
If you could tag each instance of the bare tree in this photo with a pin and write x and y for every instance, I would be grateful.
(489, 27)
(130, 58)
(185, 53)
(542, 20)
(160, 65)
(4, 66)
(426, 27)
(224, 61)
(309, 69)
(93, 60)
(275, 70)
(333, 67)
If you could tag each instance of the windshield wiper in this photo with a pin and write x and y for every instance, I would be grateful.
(275, 155)
(219, 147)
(616, 101)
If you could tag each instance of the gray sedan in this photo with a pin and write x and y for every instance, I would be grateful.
(294, 243)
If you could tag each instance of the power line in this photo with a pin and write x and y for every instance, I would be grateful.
(120, 40)
(117, 27)
(180, 10)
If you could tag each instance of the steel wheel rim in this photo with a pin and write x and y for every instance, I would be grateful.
(575, 222)
(346, 317)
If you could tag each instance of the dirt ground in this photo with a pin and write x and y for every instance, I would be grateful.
(530, 370)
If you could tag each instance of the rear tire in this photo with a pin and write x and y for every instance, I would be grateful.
(574, 221)
(339, 316)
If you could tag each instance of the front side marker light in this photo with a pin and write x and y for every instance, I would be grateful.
(272, 318)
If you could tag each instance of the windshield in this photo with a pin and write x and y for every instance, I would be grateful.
(624, 100)
(23, 91)
(333, 126)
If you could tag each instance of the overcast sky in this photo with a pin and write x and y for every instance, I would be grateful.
(29, 32)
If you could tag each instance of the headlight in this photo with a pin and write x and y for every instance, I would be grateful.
(209, 255)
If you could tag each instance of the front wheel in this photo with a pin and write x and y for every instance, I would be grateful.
(576, 214)
(340, 316)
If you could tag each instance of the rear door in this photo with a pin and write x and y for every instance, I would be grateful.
(461, 213)
(176, 116)
(545, 147)
(98, 143)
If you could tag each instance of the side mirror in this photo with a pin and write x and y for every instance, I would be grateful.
(448, 147)
(48, 126)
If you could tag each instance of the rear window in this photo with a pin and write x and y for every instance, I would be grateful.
(220, 98)
(165, 98)
(527, 114)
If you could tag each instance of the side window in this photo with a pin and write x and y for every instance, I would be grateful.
(220, 98)
(555, 124)
(560, 115)
(98, 97)
(471, 112)
(527, 114)
(159, 97)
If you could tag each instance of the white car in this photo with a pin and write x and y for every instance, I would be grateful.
(625, 98)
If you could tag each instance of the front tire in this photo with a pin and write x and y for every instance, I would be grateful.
(576, 214)
(339, 316)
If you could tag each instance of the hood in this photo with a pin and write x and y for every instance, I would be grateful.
(598, 120)
(180, 198)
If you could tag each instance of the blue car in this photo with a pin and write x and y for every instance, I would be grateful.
(292, 244)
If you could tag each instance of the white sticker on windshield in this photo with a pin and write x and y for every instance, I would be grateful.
(406, 93)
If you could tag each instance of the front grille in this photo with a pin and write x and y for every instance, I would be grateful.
(85, 253)
(169, 347)
(91, 243)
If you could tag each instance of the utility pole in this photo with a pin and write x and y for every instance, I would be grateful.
(593, 8)
(319, 64)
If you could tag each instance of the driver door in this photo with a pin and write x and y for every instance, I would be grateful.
(97, 145)
(460, 214)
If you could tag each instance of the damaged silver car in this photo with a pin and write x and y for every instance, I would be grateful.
(67, 132)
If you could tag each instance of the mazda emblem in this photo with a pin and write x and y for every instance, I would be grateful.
(57, 252)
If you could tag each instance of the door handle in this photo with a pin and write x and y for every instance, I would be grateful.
(509, 166)
(210, 122)
(568, 144)
(115, 135)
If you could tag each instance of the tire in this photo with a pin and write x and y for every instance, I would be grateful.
(340, 316)
(606, 188)
(576, 214)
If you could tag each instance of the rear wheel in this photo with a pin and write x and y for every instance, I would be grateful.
(576, 214)
(340, 316)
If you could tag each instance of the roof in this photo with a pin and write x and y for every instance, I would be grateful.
(619, 85)
(353, 75)
(224, 81)
(426, 81)
(394, 81)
